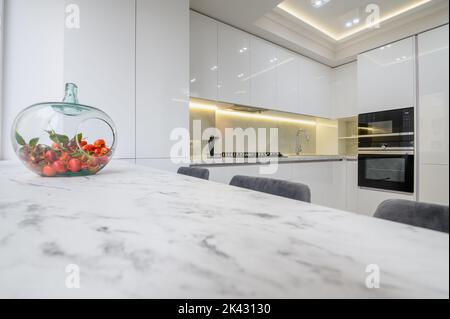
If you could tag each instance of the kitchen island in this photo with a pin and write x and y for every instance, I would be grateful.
(136, 232)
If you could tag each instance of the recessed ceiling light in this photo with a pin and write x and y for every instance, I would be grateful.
(356, 21)
(319, 3)
(349, 24)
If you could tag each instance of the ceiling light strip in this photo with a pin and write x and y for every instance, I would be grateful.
(283, 6)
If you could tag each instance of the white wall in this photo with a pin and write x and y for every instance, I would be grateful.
(33, 58)
(102, 56)
(2, 3)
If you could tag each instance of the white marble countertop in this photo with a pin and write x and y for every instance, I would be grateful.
(136, 232)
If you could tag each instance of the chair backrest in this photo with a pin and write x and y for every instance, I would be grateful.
(277, 187)
(423, 215)
(202, 173)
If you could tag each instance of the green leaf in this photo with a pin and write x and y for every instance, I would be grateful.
(20, 139)
(58, 139)
(33, 142)
(79, 137)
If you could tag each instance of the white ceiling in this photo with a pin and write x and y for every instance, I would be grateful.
(331, 18)
(321, 33)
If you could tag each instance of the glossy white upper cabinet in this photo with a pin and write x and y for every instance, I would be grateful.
(204, 64)
(433, 110)
(288, 99)
(234, 65)
(345, 88)
(99, 57)
(162, 75)
(386, 77)
(315, 88)
(263, 76)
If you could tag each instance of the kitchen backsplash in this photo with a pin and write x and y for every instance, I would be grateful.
(316, 136)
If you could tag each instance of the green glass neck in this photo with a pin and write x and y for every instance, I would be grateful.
(71, 94)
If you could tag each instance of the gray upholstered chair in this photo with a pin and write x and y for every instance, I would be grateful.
(202, 173)
(423, 215)
(281, 188)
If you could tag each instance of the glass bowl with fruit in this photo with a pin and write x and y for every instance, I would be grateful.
(64, 138)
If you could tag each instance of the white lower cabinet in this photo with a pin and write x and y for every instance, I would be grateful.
(369, 200)
(161, 164)
(325, 179)
(351, 199)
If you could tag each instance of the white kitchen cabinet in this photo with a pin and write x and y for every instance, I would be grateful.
(351, 186)
(386, 77)
(288, 99)
(224, 174)
(100, 58)
(433, 110)
(204, 55)
(234, 65)
(345, 91)
(369, 200)
(433, 116)
(162, 75)
(263, 76)
(326, 181)
(434, 184)
(161, 164)
(314, 88)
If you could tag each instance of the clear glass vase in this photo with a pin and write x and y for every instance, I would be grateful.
(64, 138)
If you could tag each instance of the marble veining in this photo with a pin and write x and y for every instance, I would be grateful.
(136, 232)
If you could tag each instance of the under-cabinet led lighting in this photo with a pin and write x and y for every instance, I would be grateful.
(207, 107)
(266, 117)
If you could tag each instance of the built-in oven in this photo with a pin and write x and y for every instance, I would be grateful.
(386, 150)
(387, 170)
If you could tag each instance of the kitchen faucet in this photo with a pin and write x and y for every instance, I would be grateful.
(299, 145)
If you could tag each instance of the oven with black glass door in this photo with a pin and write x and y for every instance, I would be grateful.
(387, 170)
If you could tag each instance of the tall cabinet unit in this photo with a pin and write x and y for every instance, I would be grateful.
(234, 65)
(433, 115)
(162, 76)
(386, 77)
(204, 63)
(99, 58)
(315, 88)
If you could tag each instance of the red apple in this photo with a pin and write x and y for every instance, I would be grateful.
(48, 171)
(50, 156)
(74, 165)
(59, 167)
